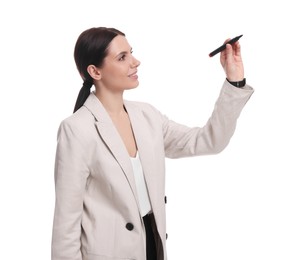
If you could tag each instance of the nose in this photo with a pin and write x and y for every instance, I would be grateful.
(135, 62)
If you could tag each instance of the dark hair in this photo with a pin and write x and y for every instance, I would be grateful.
(91, 49)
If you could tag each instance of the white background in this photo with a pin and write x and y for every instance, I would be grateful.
(247, 202)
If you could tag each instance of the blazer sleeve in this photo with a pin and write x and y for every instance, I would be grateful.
(214, 136)
(71, 174)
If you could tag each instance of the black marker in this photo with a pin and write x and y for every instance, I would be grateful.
(221, 48)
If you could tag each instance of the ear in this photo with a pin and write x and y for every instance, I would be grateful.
(94, 72)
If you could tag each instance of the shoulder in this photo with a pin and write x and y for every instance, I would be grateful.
(81, 116)
(79, 123)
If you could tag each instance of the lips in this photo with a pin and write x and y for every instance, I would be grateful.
(133, 75)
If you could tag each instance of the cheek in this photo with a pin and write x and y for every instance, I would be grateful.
(115, 76)
(114, 79)
(116, 71)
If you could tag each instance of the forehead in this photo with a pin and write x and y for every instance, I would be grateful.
(117, 45)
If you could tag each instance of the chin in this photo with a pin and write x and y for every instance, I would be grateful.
(133, 86)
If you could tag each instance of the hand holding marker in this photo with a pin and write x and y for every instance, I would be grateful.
(221, 48)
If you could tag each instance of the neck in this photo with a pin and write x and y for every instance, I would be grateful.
(112, 102)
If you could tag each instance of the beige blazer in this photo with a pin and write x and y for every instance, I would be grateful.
(97, 214)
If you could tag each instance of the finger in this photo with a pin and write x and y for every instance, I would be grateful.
(237, 49)
(229, 52)
(226, 55)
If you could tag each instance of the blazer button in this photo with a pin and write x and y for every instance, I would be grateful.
(129, 226)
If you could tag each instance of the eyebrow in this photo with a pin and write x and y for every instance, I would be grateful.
(123, 52)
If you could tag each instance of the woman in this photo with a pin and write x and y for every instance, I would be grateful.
(110, 160)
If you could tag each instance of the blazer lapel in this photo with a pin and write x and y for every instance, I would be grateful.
(111, 138)
(147, 156)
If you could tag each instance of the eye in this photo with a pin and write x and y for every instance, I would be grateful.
(122, 58)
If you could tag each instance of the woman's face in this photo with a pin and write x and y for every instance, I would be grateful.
(119, 69)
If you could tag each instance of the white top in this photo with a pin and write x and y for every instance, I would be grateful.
(142, 192)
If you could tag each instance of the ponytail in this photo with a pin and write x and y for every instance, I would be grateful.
(83, 94)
